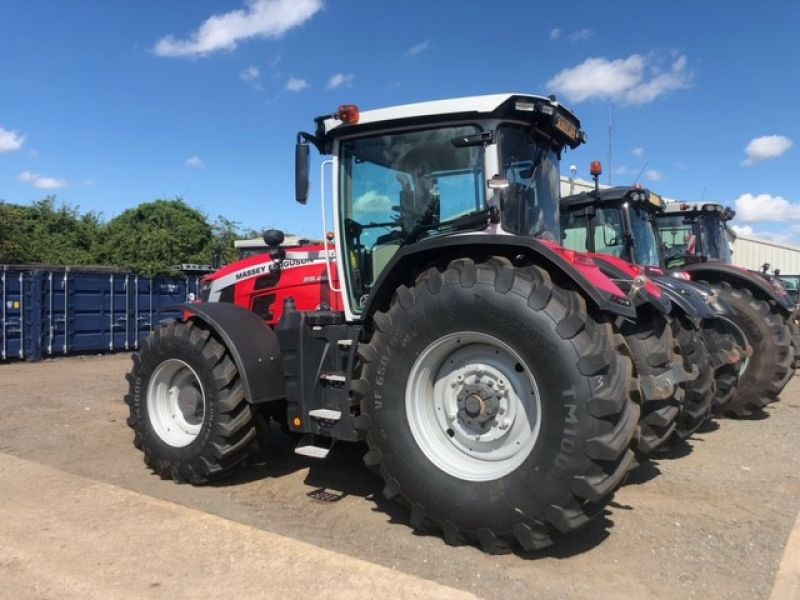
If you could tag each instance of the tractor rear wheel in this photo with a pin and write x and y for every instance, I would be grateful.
(699, 392)
(764, 374)
(187, 405)
(650, 342)
(495, 405)
(726, 356)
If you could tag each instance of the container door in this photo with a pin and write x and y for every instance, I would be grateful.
(15, 328)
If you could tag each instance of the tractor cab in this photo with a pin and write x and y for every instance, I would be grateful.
(616, 221)
(692, 233)
(407, 178)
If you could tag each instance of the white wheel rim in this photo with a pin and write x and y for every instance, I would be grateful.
(176, 403)
(473, 406)
(741, 339)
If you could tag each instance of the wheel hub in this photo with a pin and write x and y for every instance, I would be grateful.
(478, 405)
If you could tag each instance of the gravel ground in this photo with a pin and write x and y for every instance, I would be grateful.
(708, 520)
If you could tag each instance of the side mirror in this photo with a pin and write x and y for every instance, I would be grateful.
(273, 237)
(626, 222)
(301, 159)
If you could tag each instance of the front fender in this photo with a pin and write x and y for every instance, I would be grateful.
(620, 270)
(716, 272)
(685, 297)
(252, 344)
(581, 270)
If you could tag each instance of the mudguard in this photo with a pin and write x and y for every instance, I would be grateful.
(623, 271)
(253, 346)
(685, 297)
(717, 304)
(580, 269)
(715, 272)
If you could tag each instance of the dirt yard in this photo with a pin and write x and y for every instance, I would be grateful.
(708, 520)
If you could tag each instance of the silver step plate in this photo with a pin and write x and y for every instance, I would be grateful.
(325, 413)
(312, 451)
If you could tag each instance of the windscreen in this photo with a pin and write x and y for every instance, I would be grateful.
(607, 232)
(714, 237)
(678, 239)
(400, 187)
(645, 244)
(530, 203)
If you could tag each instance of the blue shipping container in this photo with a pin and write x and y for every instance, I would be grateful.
(72, 311)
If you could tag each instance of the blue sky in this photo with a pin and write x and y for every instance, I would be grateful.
(109, 104)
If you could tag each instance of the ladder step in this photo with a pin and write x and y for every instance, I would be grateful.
(312, 451)
(325, 413)
(333, 377)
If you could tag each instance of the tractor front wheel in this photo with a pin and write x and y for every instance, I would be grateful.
(187, 405)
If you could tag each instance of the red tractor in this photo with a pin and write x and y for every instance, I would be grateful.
(478, 360)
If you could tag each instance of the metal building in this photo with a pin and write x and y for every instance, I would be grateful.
(752, 253)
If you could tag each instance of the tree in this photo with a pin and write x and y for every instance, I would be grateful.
(44, 233)
(226, 232)
(155, 236)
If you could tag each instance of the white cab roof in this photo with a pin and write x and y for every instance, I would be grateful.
(481, 104)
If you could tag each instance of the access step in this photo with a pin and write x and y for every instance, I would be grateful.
(333, 377)
(325, 414)
(313, 446)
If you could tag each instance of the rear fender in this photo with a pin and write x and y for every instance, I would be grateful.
(252, 344)
(596, 287)
(717, 272)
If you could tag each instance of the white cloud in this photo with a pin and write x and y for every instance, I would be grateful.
(555, 34)
(580, 35)
(638, 152)
(632, 80)
(765, 148)
(296, 85)
(763, 208)
(250, 74)
(654, 176)
(42, 182)
(339, 80)
(743, 229)
(195, 162)
(418, 48)
(620, 170)
(259, 18)
(33, 153)
(681, 166)
(10, 141)
(372, 202)
(88, 182)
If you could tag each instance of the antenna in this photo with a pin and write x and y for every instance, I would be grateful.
(703, 195)
(610, 139)
(644, 166)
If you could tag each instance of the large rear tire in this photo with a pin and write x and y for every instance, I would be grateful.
(650, 341)
(699, 392)
(763, 375)
(726, 357)
(495, 406)
(187, 405)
